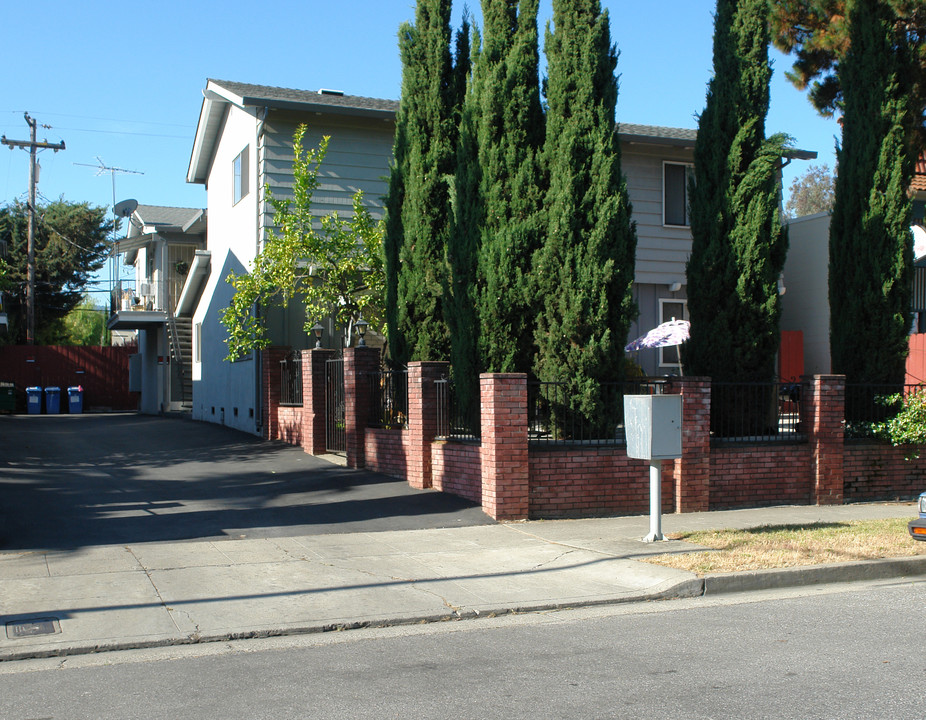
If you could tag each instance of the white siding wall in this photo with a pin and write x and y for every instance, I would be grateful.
(232, 239)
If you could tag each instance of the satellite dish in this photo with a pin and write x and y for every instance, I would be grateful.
(125, 208)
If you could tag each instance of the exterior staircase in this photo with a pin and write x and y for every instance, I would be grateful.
(180, 335)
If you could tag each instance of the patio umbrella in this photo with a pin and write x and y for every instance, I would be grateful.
(673, 332)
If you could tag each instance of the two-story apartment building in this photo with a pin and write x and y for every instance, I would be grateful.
(165, 246)
(243, 146)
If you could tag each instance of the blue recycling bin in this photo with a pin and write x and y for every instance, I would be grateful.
(34, 400)
(76, 399)
(52, 400)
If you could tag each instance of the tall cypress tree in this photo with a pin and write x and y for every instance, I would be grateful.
(585, 268)
(738, 243)
(871, 250)
(418, 203)
(510, 131)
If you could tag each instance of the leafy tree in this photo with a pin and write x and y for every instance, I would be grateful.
(72, 241)
(334, 265)
(871, 249)
(817, 32)
(738, 243)
(418, 204)
(85, 325)
(813, 192)
(585, 267)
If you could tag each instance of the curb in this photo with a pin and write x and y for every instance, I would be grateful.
(717, 584)
(861, 570)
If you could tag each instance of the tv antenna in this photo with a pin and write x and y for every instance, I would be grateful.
(118, 211)
(102, 167)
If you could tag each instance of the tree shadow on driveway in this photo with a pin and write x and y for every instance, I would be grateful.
(72, 481)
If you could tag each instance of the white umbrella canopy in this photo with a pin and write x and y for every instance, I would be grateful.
(673, 332)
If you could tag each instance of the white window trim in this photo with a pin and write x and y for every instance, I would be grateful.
(198, 342)
(687, 214)
(243, 161)
(662, 302)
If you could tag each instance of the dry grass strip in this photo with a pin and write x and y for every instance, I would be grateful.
(780, 546)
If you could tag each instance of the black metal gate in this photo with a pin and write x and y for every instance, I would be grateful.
(335, 426)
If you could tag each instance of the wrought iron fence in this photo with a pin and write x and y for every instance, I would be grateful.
(454, 421)
(756, 412)
(869, 405)
(554, 415)
(291, 379)
(388, 399)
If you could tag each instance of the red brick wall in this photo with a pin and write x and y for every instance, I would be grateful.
(288, 423)
(760, 475)
(386, 452)
(456, 468)
(580, 482)
(875, 471)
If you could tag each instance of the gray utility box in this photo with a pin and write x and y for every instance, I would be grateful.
(653, 426)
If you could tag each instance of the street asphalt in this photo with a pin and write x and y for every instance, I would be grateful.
(125, 531)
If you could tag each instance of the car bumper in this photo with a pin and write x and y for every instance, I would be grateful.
(917, 528)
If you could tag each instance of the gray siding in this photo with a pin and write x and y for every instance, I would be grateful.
(661, 251)
(359, 155)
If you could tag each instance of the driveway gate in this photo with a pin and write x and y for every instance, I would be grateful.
(335, 426)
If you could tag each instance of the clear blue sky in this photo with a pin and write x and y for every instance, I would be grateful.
(123, 81)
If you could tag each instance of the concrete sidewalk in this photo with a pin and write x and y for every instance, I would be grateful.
(166, 593)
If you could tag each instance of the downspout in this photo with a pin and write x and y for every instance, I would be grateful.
(258, 190)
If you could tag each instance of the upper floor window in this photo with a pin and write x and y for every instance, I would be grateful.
(241, 174)
(675, 193)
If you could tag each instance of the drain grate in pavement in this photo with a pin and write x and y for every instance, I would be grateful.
(32, 626)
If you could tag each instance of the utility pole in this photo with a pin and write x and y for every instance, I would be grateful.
(30, 246)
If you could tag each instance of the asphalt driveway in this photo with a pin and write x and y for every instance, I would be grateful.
(71, 481)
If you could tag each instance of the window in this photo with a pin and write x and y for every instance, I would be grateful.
(671, 310)
(675, 193)
(241, 174)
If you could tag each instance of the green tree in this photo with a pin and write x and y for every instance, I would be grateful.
(418, 203)
(813, 192)
(871, 249)
(72, 241)
(817, 33)
(334, 265)
(510, 132)
(86, 325)
(585, 268)
(738, 243)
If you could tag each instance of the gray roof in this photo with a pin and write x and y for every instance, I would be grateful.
(219, 95)
(683, 137)
(167, 217)
(161, 219)
(269, 96)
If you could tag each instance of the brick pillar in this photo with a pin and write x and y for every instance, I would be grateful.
(422, 420)
(360, 364)
(824, 415)
(505, 466)
(272, 377)
(313, 400)
(693, 469)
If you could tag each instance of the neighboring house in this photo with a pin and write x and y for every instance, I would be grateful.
(164, 244)
(243, 144)
(805, 305)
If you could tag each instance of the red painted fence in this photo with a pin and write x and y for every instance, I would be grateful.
(103, 373)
